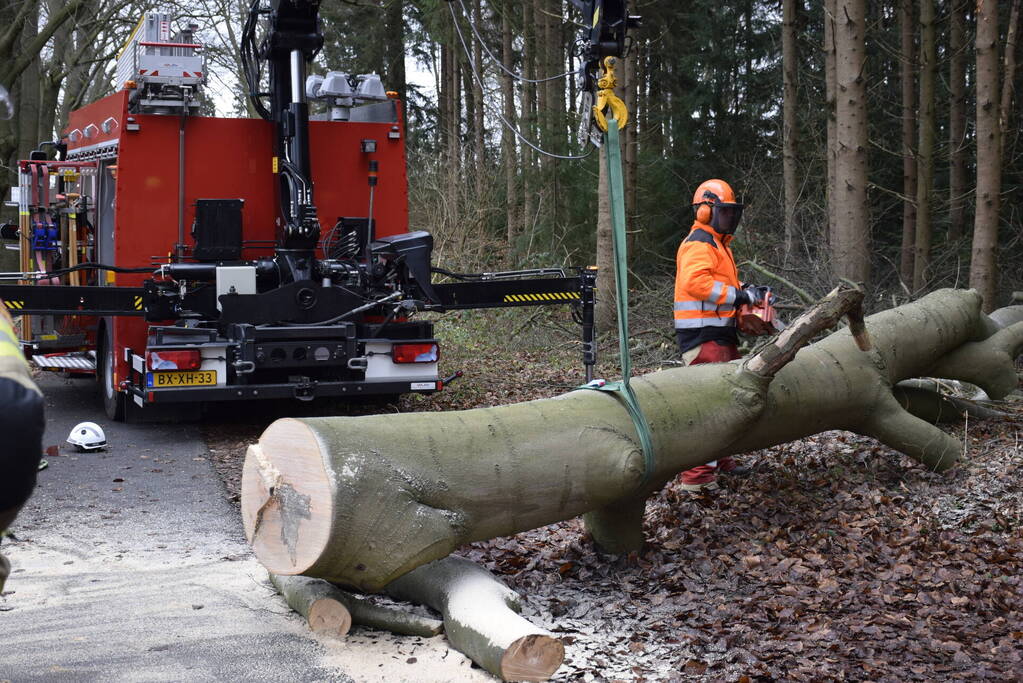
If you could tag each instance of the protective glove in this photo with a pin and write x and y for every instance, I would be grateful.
(742, 298)
(757, 294)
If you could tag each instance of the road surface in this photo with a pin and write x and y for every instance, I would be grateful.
(130, 564)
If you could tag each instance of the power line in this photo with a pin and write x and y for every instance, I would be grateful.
(493, 57)
(510, 126)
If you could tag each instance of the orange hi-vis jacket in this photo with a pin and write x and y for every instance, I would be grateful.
(706, 280)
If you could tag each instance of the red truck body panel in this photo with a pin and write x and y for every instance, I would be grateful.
(226, 159)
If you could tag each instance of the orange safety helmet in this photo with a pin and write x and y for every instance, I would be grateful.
(715, 205)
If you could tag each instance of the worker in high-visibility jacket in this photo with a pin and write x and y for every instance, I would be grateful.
(21, 426)
(707, 294)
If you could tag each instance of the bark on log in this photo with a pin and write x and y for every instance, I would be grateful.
(317, 601)
(481, 619)
(361, 501)
(329, 609)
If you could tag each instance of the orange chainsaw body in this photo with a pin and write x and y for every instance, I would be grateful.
(758, 320)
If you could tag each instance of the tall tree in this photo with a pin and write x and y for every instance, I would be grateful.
(631, 142)
(908, 79)
(394, 48)
(529, 199)
(925, 150)
(28, 100)
(851, 255)
(604, 314)
(1009, 75)
(790, 125)
(508, 150)
(479, 142)
(983, 268)
(829, 106)
(957, 174)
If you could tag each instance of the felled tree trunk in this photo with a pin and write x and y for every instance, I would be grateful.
(361, 501)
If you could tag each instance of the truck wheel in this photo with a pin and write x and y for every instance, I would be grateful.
(113, 400)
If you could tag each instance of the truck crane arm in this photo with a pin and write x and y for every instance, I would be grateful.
(291, 37)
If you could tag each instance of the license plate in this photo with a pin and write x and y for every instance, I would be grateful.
(168, 380)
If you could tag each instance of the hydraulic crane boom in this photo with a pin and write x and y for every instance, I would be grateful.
(291, 38)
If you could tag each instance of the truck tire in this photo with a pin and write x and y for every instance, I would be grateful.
(113, 400)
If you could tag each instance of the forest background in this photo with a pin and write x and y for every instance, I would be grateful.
(871, 140)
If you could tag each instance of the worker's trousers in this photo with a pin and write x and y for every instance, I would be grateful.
(709, 352)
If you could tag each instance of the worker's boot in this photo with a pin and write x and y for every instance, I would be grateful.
(700, 478)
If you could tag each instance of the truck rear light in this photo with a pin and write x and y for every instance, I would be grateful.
(415, 353)
(173, 360)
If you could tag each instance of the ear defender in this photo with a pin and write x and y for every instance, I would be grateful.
(703, 212)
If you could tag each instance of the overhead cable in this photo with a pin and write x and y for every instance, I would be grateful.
(508, 124)
(493, 57)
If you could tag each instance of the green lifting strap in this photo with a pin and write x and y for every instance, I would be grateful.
(623, 389)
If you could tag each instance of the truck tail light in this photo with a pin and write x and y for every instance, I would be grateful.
(174, 360)
(415, 353)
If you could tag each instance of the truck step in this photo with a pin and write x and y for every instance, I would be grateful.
(77, 361)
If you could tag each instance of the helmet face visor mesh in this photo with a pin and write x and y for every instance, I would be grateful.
(726, 217)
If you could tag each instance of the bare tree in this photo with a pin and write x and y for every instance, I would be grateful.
(508, 150)
(983, 268)
(957, 175)
(908, 78)
(829, 105)
(925, 150)
(790, 125)
(1009, 75)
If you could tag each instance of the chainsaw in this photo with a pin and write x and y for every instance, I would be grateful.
(759, 319)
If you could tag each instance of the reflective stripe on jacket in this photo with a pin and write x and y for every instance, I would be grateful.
(706, 280)
(12, 361)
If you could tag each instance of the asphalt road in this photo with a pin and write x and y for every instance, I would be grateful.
(130, 565)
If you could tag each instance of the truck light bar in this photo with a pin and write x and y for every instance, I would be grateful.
(415, 353)
(174, 360)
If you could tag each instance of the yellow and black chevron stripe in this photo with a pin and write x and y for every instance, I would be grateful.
(549, 296)
(15, 305)
(138, 303)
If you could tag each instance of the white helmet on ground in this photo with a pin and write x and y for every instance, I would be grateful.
(88, 436)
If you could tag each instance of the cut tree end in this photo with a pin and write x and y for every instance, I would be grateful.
(327, 615)
(287, 506)
(532, 658)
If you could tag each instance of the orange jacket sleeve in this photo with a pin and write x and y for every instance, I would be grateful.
(696, 265)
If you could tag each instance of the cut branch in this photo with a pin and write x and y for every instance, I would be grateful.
(329, 609)
(481, 619)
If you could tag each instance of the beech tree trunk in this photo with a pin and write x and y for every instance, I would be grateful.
(361, 501)
(983, 275)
